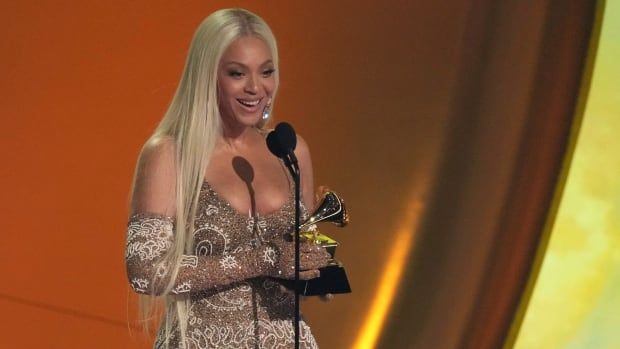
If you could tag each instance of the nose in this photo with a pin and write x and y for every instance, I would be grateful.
(251, 85)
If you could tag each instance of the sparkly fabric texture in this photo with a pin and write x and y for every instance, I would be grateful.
(232, 303)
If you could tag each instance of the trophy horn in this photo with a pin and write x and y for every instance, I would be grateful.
(331, 209)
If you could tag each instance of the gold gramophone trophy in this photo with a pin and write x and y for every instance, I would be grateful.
(333, 277)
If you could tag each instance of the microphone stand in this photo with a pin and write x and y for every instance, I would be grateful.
(291, 162)
(281, 142)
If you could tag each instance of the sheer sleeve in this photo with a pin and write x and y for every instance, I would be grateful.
(150, 236)
(150, 232)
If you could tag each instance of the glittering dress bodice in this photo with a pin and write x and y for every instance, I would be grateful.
(244, 313)
(220, 230)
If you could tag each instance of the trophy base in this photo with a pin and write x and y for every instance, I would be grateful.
(333, 280)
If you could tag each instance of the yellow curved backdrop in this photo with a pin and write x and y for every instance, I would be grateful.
(576, 303)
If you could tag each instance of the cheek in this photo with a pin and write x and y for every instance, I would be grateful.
(228, 90)
(270, 86)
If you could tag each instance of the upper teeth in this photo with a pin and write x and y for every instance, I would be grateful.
(251, 103)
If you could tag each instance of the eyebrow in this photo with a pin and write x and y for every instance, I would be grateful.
(243, 65)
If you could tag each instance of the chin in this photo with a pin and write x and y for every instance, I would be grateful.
(248, 120)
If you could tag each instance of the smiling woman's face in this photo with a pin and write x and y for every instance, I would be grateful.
(246, 81)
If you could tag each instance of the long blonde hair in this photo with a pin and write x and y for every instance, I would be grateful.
(193, 121)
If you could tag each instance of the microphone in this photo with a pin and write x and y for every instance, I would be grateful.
(286, 136)
(282, 142)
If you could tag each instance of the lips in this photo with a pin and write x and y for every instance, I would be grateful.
(249, 103)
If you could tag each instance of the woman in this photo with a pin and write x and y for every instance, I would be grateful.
(212, 208)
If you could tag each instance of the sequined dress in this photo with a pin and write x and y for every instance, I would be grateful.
(226, 310)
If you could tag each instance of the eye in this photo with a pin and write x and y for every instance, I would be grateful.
(268, 72)
(235, 74)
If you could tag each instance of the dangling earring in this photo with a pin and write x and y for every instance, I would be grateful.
(267, 111)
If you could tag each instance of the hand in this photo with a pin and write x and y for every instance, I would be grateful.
(311, 258)
(326, 297)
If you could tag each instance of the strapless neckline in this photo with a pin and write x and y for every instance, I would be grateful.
(286, 205)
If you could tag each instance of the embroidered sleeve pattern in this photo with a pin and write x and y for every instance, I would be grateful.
(150, 237)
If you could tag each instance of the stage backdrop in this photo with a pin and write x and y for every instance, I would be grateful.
(443, 124)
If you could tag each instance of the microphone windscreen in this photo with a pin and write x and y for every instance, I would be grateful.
(274, 145)
(286, 136)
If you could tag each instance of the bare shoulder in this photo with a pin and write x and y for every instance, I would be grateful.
(302, 151)
(158, 149)
(155, 178)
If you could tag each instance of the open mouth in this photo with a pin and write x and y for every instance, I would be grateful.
(249, 103)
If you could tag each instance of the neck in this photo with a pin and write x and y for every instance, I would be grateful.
(237, 136)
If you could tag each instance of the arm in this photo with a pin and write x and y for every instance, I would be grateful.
(150, 237)
(302, 152)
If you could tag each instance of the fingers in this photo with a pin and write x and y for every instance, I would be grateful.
(315, 249)
(303, 274)
(326, 297)
(312, 261)
(312, 257)
(309, 274)
(306, 264)
(309, 247)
